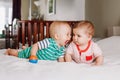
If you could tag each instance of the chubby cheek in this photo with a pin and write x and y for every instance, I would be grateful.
(81, 41)
(64, 42)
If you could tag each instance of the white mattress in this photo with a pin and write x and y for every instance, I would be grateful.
(13, 68)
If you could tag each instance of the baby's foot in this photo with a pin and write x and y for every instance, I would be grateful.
(7, 51)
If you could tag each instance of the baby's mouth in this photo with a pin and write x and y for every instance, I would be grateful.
(66, 41)
(75, 42)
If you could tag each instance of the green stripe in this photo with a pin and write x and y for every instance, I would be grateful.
(48, 53)
(39, 57)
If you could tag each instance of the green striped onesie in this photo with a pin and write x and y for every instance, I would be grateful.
(48, 50)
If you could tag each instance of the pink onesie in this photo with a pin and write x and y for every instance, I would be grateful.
(85, 56)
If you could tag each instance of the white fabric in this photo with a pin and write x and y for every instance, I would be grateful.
(13, 68)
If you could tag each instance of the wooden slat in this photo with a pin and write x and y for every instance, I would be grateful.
(23, 33)
(35, 31)
(18, 37)
(41, 31)
(29, 34)
(47, 30)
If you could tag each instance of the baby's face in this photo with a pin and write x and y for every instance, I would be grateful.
(64, 35)
(80, 37)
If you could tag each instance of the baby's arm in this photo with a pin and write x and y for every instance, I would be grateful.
(68, 53)
(99, 60)
(39, 45)
(34, 49)
(98, 55)
(61, 59)
(33, 58)
(65, 58)
(68, 58)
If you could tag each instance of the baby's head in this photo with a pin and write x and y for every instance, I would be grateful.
(60, 32)
(83, 32)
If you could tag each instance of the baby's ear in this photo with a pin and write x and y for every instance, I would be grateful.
(56, 36)
(90, 37)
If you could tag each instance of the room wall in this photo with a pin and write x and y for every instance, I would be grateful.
(104, 14)
(65, 10)
(94, 14)
(111, 13)
(25, 8)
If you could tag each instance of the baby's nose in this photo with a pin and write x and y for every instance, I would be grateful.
(75, 38)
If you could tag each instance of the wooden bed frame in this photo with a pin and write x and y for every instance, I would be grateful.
(28, 32)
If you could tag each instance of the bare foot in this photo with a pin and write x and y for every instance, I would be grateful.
(7, 51)
(12, 52)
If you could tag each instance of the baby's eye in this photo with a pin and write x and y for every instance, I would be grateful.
(78, 35)
(67, 34)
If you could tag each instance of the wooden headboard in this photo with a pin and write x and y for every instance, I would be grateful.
(29, 32)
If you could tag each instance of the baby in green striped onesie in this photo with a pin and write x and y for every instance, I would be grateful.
(50, 48)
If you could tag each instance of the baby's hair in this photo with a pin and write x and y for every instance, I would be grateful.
(55, 27)
(86, 24)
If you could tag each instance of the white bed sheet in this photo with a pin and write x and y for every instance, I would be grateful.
(13, 68)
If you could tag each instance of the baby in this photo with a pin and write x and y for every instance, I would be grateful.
(49, 48)
(82, 49)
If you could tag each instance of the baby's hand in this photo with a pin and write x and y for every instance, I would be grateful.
(33, 59)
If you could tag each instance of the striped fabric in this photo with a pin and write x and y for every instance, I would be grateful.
(48, 50)
(43, 44)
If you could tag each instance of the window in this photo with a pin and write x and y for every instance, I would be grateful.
(5, 13)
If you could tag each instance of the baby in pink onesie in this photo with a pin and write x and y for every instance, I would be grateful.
(82, 49)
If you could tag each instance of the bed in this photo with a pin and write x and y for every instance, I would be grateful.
(13, 68)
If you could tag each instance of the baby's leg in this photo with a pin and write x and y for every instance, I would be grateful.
(12, 52)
